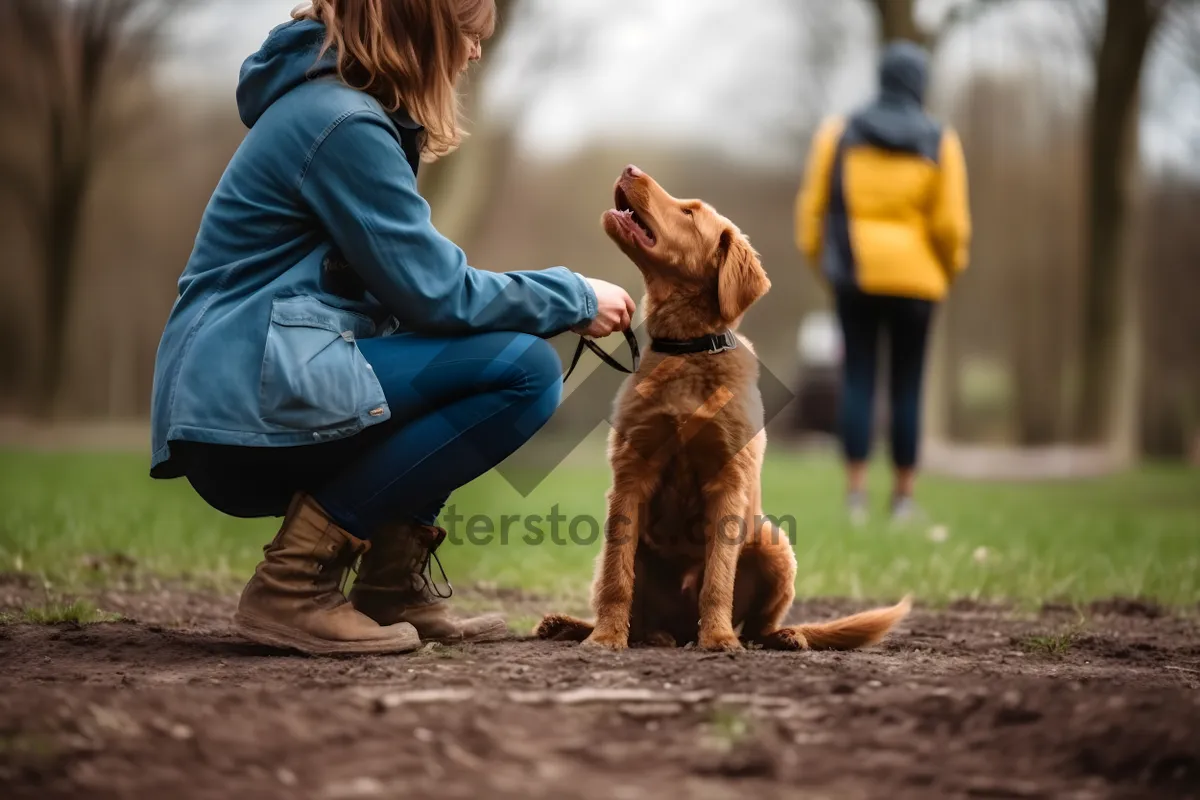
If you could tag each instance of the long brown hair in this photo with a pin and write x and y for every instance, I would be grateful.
(407, 54)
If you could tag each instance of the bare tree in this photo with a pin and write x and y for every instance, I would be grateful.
(898, 22)
(64, 103)
(1129, 26)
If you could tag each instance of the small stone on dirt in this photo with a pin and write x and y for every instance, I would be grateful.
(358, 787)
(423, 697)
(650, 710)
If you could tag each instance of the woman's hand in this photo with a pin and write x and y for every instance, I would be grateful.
(616, 310)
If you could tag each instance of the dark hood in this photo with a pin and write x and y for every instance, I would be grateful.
(897, 119)
(287, 59)
(904, 73)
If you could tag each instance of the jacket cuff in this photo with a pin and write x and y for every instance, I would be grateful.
(591, 306)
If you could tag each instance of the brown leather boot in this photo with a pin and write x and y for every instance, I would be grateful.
(393, 586)
(295, 598)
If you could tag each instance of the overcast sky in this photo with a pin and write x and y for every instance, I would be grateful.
(722, 72)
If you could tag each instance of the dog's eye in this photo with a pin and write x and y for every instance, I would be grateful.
(687, 212)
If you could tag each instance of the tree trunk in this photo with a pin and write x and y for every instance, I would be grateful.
(60, 231)
(68, 52)
(1107, 306)
(897, 21)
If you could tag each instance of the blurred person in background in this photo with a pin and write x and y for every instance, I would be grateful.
(331, 358)
(883, 215)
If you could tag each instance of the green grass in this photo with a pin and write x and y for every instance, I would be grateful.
(35, 748)
(727, 727)
(1053, 645)
(78, 612)
(1057, 644)
(79, 518)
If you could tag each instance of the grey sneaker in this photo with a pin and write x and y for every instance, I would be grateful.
(857, 508)
(905, 510)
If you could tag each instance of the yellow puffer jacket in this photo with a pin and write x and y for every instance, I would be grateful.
(884, 216)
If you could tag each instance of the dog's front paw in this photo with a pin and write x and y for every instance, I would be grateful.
(726, 642)
(601, 640)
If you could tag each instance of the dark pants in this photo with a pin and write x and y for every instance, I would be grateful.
(459, 407)
(906, 320)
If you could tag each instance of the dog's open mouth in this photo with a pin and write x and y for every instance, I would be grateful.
(631, 221)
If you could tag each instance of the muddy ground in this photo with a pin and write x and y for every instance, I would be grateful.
(968, 701)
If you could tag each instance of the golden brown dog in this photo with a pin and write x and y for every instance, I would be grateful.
(688, 555)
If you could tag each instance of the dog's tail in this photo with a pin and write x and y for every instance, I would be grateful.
(857, 630)
(561, 628)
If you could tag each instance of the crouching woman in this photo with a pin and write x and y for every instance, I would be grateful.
(331, 358)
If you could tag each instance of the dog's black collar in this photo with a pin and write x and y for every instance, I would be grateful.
(709, 343)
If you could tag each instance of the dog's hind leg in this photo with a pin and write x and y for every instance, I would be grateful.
(764, 593)
(561, 628)
(765, 589)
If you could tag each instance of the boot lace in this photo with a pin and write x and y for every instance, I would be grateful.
(426, 567)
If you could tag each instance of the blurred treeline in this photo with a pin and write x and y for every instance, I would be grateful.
(104, 177)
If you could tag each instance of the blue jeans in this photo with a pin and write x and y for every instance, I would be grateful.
(459, 407)
(906, 320)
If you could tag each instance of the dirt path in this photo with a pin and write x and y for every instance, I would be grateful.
(969, 702)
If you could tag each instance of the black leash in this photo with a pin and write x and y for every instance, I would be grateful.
(605, 357)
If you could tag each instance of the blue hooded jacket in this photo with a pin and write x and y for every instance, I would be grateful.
(316, 237)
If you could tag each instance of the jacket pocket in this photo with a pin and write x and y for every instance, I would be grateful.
(313, 375)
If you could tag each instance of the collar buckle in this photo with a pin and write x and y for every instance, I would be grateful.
(722, 342)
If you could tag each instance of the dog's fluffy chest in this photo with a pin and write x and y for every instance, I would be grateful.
(686, 417)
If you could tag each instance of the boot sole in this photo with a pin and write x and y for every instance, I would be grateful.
(495, 633)
(263, 631)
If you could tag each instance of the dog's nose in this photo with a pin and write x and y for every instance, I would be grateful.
(633, 172)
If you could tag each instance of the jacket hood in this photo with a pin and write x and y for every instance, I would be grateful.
(897, 119)
(904, 73)
(287, 59)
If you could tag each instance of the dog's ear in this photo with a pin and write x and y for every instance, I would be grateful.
(742, 279)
